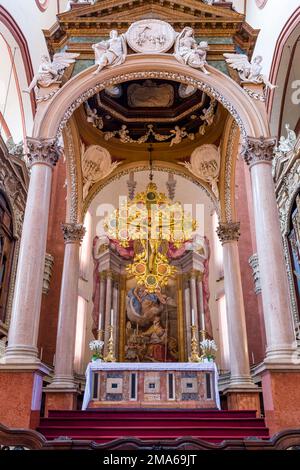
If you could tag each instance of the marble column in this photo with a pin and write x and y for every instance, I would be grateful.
(188, 318)
(258, 154)
(115, 302)
(238, 348)
(66, 329)
(20, 368)
(24, 326)
(108, 307)
(102, 304)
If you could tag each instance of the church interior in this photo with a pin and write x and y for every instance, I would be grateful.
(149, 224)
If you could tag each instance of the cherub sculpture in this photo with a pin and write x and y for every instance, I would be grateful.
(248, 72)
(51, 72)
(110, 52)
(187, 51)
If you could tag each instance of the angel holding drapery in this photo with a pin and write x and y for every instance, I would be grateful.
(50, 72)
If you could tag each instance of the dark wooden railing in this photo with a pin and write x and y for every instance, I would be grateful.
(17, 439)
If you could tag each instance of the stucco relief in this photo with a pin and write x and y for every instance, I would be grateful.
(150, 36)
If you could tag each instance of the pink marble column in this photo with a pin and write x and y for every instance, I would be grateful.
(274, 285)
(23, 332)
(238, 348)
(108, 307)
(66, 330)
(102, 304)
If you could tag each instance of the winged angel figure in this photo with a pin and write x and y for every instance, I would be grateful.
(51, 72)
(248, 71)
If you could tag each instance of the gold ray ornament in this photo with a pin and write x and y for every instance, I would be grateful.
(152, 222)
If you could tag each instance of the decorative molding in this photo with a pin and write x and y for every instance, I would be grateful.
(229, 173)
(73, 232)
(42, 5)
(228, 232)
(261, 3)
(46, 151)
(253, 262)
(48, 270)
(73, 174)
(254, 95)
(259, 150)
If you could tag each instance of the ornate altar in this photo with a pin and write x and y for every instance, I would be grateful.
(190, 385)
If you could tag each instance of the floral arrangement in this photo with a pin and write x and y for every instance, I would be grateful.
(208, 347)
(96, 346)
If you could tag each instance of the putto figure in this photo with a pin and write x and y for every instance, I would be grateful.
(110, 52)
(188, 51)
(248, 71)
(49, 72)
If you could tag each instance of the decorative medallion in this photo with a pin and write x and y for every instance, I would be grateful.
(148, 36)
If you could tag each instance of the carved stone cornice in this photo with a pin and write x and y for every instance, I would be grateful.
(73, 232)
(228, 232)
(259, 150)
(45, 151)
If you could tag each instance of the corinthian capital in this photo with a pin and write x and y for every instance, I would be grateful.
(43, 151)
(73, 232)
(228, 232)
(258, 150)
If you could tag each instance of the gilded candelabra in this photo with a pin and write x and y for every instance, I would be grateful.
(194, 357)
(110, 357)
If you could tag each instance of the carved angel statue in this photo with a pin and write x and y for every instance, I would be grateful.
(96, 165)
(110, 52)
(187, 51)
(51, 72)
(248, 72)
(178, 134)
(286, 144)
(92, 116)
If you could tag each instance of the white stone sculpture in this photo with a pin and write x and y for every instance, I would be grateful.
(205, 164)
(188, 52)
(150, 35)
(92, 116)
(111, 52)
(286, 144)
(179, 134)
(50, 73)
(96, 165)
(248, 72)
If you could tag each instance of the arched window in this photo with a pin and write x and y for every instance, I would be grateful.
(294, 243)
(6, 253)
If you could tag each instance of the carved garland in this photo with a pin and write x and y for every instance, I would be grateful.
(228, 171)
(73, 212)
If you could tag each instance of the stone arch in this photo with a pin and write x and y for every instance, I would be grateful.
(51, 120)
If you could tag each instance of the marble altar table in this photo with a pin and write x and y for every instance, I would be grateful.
(151, 385)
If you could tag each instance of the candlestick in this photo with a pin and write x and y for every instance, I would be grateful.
(110, 355)
(194, 357)
(193, 317)
(100, 335)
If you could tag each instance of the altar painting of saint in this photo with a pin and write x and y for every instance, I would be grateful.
(151, 325)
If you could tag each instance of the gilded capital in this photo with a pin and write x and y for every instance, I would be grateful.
(73, 232)
(229, 232)
(259, 150)
(43, 151)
